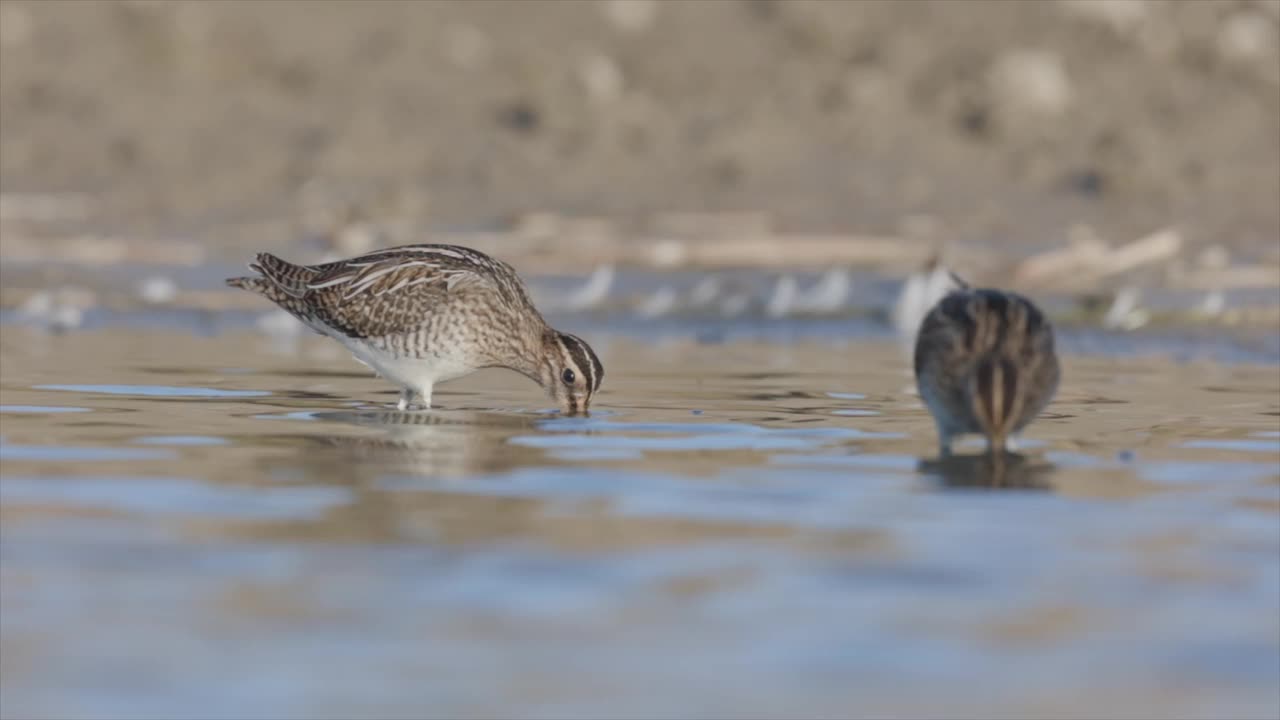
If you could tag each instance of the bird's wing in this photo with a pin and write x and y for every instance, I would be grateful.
(393, 290)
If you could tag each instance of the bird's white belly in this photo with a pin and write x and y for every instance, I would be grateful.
(417, 374)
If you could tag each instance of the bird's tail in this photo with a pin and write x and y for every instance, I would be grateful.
(279, 278)
(252, 284)
(995, 395)
(287, 276)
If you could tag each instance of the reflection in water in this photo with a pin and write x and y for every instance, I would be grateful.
(431, 444)
(773, 554)
(1007, 471)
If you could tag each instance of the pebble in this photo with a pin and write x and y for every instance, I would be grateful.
(601, 78)
(15, 25)
(666, 253)
(633, 16)
(1247, 37)
(157, 290)
(1122, 17)
(1031, 81)
(467, 47)
(1214, 257)
(356, 238)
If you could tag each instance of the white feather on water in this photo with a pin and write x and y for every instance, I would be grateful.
(594, 291)
(662, 302)
(57, 310)
(1125, 313)
(590, 294)
(782, 300)
(921, 291)
(706, 291)
(828, 295)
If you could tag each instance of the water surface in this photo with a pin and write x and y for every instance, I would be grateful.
(213, 527)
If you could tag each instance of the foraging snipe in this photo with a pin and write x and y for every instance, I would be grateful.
(985, 363)
(423, 314)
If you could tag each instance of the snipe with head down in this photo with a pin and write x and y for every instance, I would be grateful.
(424, 314)
(985, 363)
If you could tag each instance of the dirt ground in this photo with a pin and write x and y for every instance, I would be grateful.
(998, 123)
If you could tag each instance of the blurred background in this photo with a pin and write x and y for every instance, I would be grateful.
(993, 127)
(746, 206)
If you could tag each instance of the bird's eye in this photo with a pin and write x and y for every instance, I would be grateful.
(568, 376)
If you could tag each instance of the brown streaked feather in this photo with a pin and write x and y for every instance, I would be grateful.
(388, 292)
(994, 395)
(423, 314)
(285, 275)
(985, 362)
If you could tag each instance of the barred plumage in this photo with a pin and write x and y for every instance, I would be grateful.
(422, 314)
(985, 363)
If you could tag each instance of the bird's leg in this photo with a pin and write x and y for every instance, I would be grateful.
(424, 392)
(406, 399)
(997, 445)
(944, 442)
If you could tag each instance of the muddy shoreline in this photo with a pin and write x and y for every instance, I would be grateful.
(1002, 128)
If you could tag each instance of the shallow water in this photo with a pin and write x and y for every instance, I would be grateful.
(214, 527)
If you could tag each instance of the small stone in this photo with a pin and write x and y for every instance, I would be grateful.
(1089, 182)
(669, 252)
(1246, 37)
(601, 78)
(157, 290)
(467, 47)
(868, 87)
(1032, 81)
(15, 25)
(356, 238)
(634, 16)
(1122, 17)
(1214, 257)
(520, 116)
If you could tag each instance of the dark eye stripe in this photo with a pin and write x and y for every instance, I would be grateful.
(597, 369)
(574, 347)
(585, 358)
